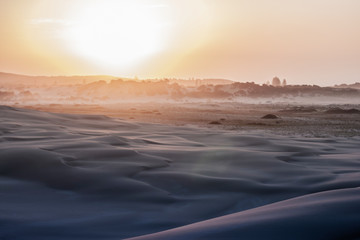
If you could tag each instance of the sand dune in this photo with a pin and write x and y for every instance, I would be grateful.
(325, 215)
(69, 176)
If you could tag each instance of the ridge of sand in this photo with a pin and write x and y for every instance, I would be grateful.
(69, 176)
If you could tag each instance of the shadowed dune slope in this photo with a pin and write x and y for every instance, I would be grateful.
(325, 215)
(68, 176)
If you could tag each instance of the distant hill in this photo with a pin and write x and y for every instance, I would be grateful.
(16, 79)
(354, 85)
(199, 82)
(24, 89)
(16, 88)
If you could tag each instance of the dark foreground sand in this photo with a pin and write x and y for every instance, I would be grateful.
(69, 176)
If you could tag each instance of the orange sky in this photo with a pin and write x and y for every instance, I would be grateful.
(308, 41)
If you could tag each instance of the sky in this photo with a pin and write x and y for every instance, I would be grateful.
(304, 41)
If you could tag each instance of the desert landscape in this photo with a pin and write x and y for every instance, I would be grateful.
(179, 120)
(76, 176)
(204, 168)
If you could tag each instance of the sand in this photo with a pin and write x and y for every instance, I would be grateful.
(293, 120)
(77, 176)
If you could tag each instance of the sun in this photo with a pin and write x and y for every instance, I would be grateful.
(116, 34)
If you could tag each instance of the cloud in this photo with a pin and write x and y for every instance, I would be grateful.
(157, 6)
(40, 21)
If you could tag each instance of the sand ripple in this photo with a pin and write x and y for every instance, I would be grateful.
(92, 177)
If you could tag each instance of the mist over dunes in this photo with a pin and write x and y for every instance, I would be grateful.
(107, 89)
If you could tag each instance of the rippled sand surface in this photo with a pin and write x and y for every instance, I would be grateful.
(69, 176)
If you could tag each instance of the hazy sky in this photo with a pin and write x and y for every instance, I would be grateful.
(304, 41)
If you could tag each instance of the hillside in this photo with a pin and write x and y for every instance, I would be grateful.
(17, 79)
(101, 89)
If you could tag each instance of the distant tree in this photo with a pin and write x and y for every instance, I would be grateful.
(284, 83)
(276, 82)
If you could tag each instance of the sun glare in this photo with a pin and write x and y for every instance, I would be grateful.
(116, 34)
